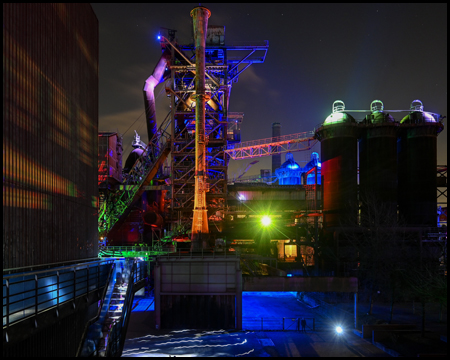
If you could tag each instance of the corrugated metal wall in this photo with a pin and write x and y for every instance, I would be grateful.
(50, 123)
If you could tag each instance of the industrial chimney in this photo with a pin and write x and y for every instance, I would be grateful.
(200, 231)
(276, 133)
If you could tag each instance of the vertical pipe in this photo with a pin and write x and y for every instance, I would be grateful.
(157, 296)
(200, 231)
(276, 159)
(238, 298)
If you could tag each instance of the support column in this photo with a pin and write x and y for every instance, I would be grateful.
(238, 299)
(157, 296)
(355, 310)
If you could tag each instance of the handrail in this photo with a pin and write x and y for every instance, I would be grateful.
(54, 269)
(112, 210)
(116, 338)
(51, 265)
(99, 311)
(28, 294)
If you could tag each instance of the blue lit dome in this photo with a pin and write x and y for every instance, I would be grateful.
(311, 178)
(289, 173)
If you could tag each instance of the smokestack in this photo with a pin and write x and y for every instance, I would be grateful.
(200, 231)
(276, 159)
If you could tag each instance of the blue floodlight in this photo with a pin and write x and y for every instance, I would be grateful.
(159, 37)
(339, 329)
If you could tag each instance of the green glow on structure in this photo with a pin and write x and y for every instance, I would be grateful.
(266, 220)
(336, 118)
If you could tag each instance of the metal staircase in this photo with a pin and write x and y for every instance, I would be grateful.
(117, 206)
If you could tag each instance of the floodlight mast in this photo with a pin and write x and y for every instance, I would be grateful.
(200, 231)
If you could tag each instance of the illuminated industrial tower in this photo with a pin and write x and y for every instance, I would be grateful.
(200, 231)
(200, 76)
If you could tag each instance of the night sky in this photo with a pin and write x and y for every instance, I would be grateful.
(318, 53)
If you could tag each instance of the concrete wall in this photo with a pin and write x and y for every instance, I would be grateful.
(201, 292)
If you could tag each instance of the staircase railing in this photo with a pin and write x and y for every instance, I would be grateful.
(140, 175)
(118, 331)
(27, 294)
(144, 169)
(83, 347)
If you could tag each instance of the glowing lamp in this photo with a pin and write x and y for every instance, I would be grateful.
(159, 37)
(265, 221)
(339, 329)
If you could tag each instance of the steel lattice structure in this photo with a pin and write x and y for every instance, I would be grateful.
(223, 65)
(271, 146)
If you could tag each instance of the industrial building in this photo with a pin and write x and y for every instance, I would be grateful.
(81, 238)
(50, 190)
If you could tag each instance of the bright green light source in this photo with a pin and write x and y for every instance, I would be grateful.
(265, 220)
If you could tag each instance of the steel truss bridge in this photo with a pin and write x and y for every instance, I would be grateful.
(271, 146)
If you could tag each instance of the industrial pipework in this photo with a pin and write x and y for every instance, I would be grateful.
(200, 231)
(149, 96)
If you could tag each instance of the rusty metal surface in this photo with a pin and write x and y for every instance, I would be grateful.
(50, 123)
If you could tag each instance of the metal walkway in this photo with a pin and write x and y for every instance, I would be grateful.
(271, 146)
(114, 210)
(38, 295)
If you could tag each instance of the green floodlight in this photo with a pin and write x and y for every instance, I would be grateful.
(266, 220)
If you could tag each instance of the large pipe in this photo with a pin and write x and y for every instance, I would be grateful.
(149, 94)
(200, 231)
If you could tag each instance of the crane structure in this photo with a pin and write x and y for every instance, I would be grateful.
(198, 176)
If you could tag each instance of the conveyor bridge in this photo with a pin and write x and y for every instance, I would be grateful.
(271, 146)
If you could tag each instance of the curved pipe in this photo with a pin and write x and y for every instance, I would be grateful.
(149, 94)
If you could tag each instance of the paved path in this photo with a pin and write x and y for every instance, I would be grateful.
(144, 340)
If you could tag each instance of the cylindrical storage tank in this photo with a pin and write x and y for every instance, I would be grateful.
(338, 138)
(378, 166)
(276, 133)
(417, 164)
